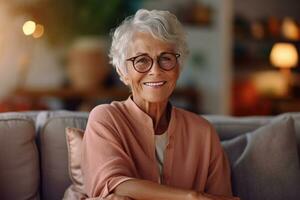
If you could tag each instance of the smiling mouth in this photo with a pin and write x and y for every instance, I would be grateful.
(155, 84)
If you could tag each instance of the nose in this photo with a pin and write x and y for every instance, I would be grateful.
(155, 69)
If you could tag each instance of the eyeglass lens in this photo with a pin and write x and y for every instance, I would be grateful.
(166, 61)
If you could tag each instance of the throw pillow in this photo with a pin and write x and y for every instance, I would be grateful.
(265, 163)
(74, 138)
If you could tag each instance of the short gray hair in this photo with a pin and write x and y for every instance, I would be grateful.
(162, 25)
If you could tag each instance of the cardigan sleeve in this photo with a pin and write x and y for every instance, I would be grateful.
(104, 164)
(219, 180)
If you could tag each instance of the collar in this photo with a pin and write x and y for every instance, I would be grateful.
(144, 119)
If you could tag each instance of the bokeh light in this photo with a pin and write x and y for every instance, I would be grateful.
(39, 31)
(29, 27)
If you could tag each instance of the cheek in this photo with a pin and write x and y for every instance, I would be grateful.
(175, 76)
(133, 80)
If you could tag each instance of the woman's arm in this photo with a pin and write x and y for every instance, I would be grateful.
(218, 182)
(104, 163)
(110, 197)
(143, 189)
(146, 190)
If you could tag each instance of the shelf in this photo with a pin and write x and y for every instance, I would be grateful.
(71, 99)
(250, 53)
(68, 93)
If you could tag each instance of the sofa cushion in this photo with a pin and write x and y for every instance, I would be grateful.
(229, 127)
(19, 164)
(53, 150)
(74, 137)
(296, 117)
(265, 163)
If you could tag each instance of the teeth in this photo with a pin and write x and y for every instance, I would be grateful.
(154, 83)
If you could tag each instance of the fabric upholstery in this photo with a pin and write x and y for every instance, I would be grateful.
(229, 127)
(296, 117)
(265, 163)
(53, 151)
(19, 154)
(19, 164)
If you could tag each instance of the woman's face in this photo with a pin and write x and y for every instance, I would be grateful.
(157, 84)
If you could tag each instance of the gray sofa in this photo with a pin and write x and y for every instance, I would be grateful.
(34, 161)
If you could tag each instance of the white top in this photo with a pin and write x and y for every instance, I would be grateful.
(161, 142)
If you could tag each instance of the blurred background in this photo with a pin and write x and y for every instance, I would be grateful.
(244, 54)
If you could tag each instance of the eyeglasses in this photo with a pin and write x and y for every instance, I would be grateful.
(143, 63)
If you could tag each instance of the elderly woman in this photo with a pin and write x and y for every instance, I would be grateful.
(143, 147)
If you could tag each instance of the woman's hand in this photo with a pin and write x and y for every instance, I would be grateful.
(116, 197)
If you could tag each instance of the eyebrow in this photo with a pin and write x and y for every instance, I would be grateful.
(142, 53)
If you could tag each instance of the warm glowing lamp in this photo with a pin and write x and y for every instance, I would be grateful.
(285, 57)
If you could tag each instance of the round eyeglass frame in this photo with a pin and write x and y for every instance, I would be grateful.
(132, 59)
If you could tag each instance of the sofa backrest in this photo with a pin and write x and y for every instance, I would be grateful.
(19, 161)
(229, 127)
(53, 150)
(29, 167)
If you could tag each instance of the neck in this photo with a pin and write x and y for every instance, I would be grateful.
(158, 112)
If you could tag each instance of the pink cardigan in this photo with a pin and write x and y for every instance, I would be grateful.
(119, 145)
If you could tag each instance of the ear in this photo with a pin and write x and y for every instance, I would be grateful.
(125, 80)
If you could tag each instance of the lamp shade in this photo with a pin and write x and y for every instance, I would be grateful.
(284, 55)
